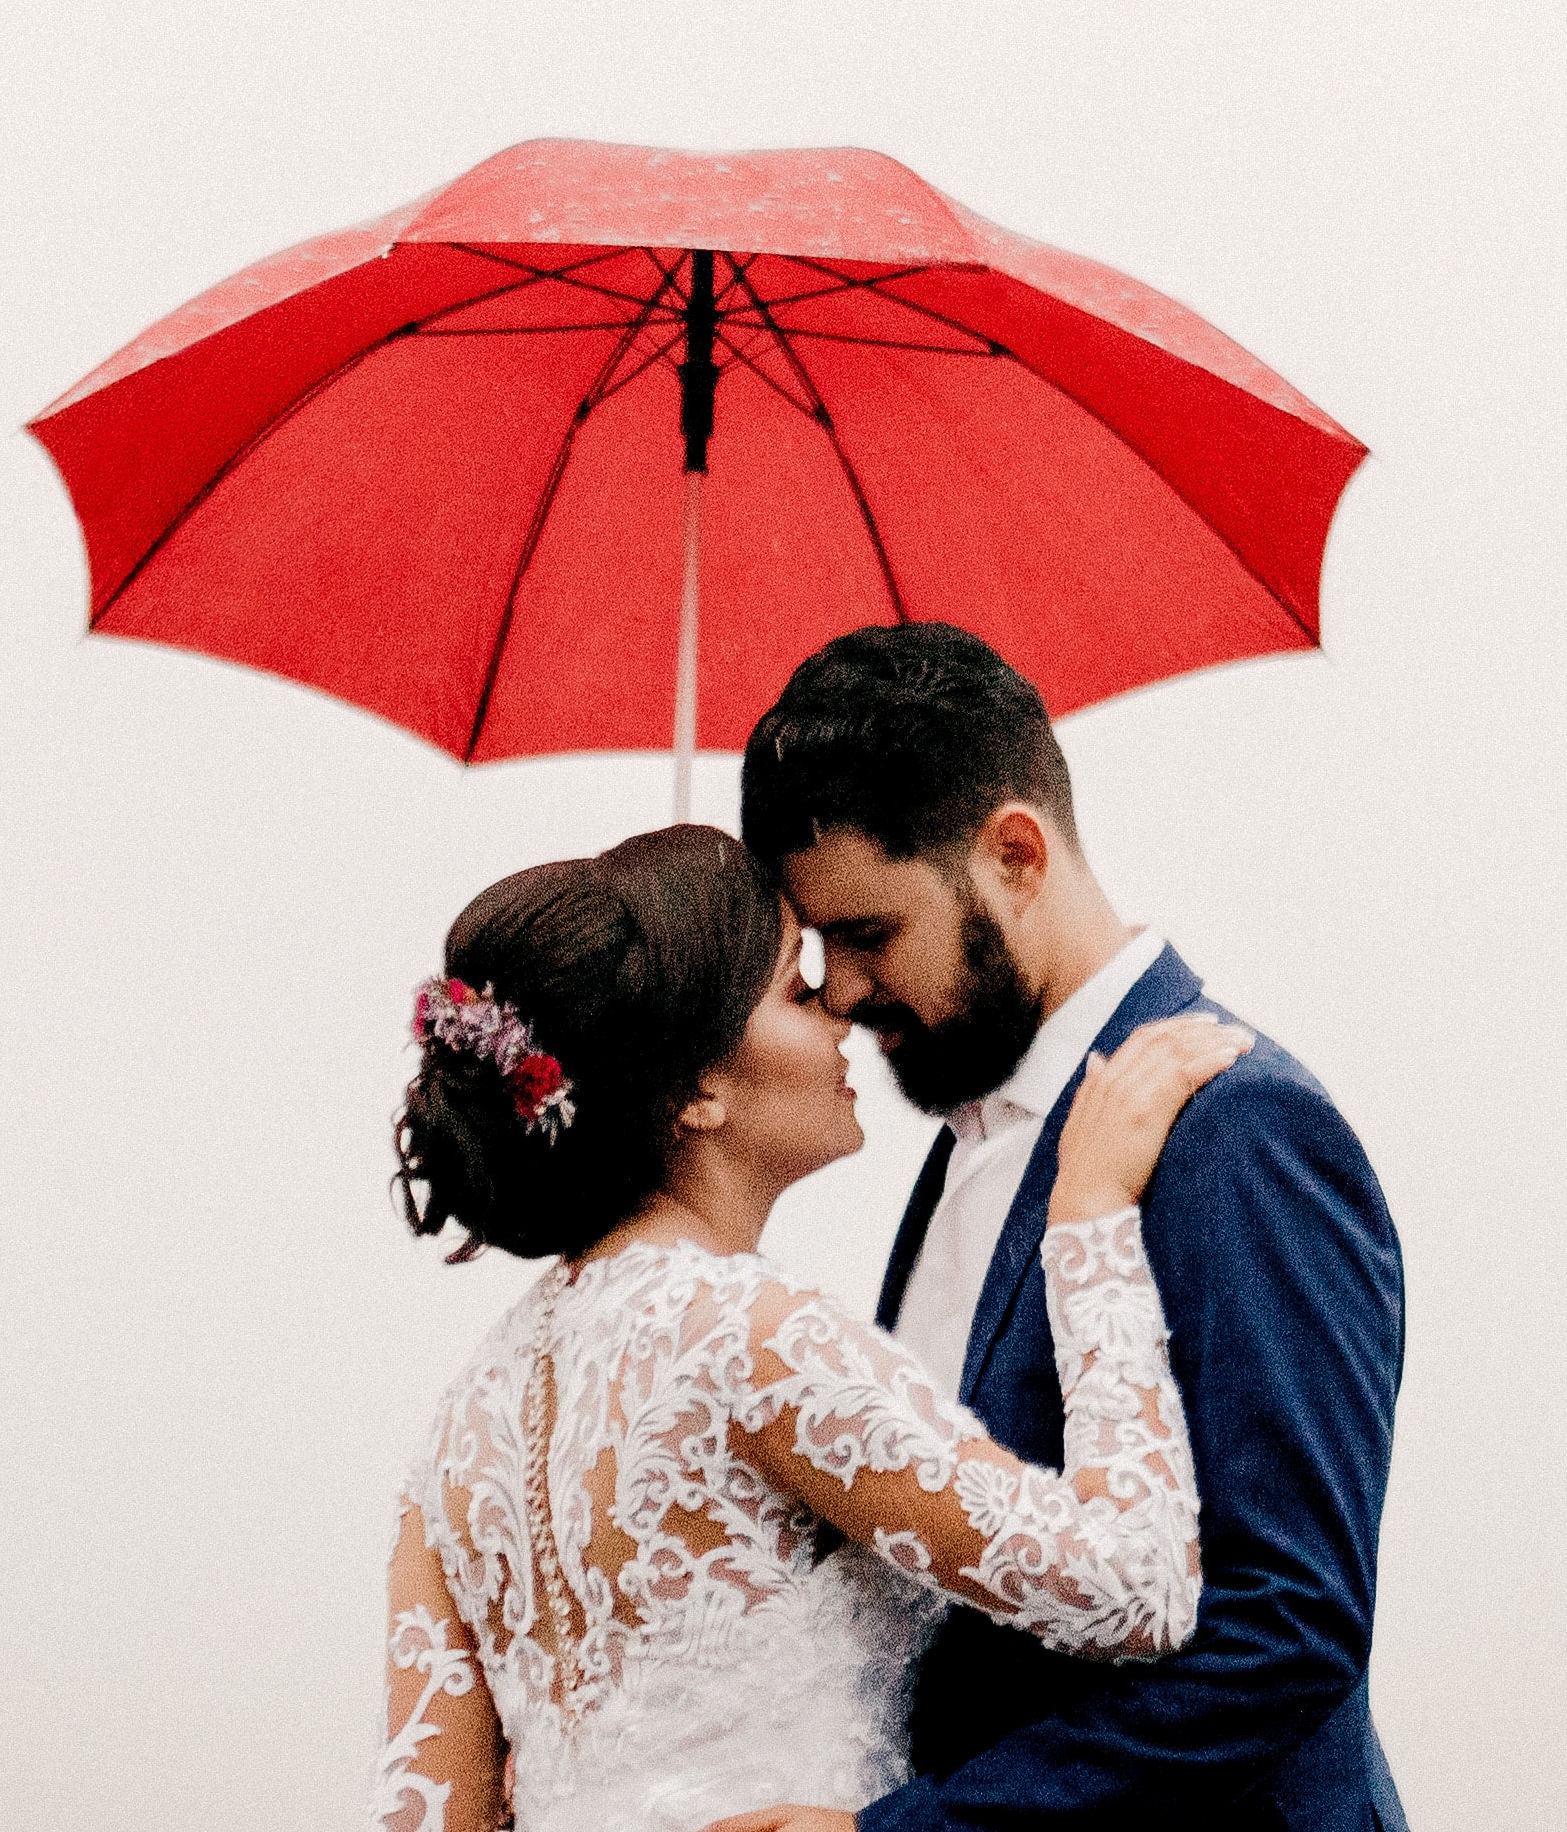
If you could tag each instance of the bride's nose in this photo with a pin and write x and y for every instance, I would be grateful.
(838, 1027)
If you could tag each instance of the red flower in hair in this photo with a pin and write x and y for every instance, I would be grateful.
(460, 992)
(533, 1081)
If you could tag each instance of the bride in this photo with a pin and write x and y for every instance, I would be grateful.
(682, 1526)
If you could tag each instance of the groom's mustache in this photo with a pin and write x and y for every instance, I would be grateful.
(886, 1019)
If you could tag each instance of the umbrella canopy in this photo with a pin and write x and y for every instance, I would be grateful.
(436, 465)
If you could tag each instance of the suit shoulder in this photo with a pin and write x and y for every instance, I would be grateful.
(1267, 1105)
(1267, 1076)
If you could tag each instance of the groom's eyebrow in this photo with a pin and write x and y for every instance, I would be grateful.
(845, 928)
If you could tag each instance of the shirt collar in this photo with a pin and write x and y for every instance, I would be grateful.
(1064, 1039)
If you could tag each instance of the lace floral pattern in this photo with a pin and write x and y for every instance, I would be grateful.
(709, 1415)
(404, 1800)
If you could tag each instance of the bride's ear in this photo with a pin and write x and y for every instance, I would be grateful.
(706, 1113)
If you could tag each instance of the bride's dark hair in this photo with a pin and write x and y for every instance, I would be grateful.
(638, 971)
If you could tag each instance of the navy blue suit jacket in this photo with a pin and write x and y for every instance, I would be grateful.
(1282, 1285)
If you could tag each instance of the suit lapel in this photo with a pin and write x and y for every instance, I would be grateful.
(911, 1230)
(1167, 987)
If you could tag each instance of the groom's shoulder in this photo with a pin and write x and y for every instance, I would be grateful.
(1267, 1065)
(1262, 1187)
(1268, 1101)
(1267, 1076)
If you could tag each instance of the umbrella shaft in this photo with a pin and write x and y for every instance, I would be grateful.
(685, 662)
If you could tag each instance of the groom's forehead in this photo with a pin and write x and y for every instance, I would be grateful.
(847, 877)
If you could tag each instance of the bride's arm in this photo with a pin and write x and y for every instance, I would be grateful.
(442, 1760)
(1100, 1559)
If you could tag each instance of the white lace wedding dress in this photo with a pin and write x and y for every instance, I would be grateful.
(672, 1640)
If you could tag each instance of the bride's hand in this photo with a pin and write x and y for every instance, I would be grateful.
(1124, 1110)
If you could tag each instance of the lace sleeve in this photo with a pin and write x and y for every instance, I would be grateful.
(441, 1760)
(1098, 1560)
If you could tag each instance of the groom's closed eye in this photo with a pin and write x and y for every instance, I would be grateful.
(867, 937)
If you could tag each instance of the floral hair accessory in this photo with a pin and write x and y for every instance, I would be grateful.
(477, 1023)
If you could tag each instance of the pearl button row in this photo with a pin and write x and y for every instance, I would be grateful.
(536, 1495)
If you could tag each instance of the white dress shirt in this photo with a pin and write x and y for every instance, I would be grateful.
(996, 1138)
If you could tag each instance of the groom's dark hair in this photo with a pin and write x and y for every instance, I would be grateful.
(912, 734)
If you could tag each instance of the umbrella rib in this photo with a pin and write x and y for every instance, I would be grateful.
(853, 476)
(603, 292)
(1059, 387)
(232, 463)
(990, 345)
(654, 315)
(1289, 610)
(530, 330)
(566, 275)
(532, 267)
(742, 339)
(280, 419)
(507, 260)
(642, 367)
(422, 325)
(737, 269)
(668, 282)
(895, 343)
(542, 507)
(823, 418)
(745, 357)
(531, 277)
(842, 283)
(669, 277)
(996, 348)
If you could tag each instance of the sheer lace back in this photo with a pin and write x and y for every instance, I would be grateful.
(705, 1417)
(689, 1574)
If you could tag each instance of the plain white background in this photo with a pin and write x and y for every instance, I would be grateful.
(218, 1347)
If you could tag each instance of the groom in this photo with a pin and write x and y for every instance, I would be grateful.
(911, 791)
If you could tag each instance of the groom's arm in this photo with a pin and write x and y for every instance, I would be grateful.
(1280, 1275)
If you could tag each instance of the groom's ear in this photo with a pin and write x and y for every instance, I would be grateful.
(1012, 849)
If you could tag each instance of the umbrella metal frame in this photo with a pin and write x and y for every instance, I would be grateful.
(711, 322)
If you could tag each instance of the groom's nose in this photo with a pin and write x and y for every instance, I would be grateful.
(845, 984)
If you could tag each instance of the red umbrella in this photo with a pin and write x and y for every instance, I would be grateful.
(436, 465)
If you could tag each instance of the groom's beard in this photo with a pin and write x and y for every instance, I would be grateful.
(940, 1066)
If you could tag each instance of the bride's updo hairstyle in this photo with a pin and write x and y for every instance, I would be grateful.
(638, 971)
